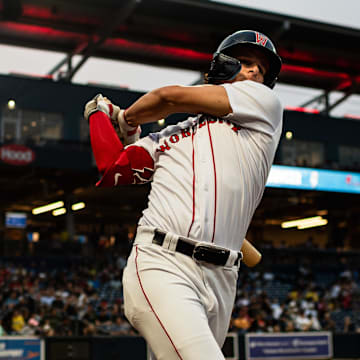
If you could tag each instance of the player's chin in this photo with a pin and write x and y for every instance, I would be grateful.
(258, 79)
(241, 77)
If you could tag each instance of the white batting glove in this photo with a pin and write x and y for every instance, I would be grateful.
(130, 134)
(99, 103)
(96, 104)
(127, 134)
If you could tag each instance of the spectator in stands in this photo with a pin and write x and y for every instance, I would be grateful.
(120, 327)
(349, 325)
(289, 326)
(242, 321)
(302, 322)
(22, 289)
(46, 329)
(114, 312)
(277, 308)
(47, 296)
(58, 303)
(103, 321)
(335, 289)
(88, 320)
(315, 323)
(2, 330)
(70, 308)
(294, 294)
(242, 299)
(310, 309)
(32, 325)
(285, 321)
(311, 292)
(264, 302)
(259, 323)
(12, 300)
(54, 318)
(327, 323)
(276, 328)
(17, 322)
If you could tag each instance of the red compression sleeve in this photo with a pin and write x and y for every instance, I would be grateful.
(119, 166)
(105, 143)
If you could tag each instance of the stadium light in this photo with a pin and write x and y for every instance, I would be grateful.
(35, 236)
(78, 206)
(58, 212)
(48, 207)
(11, 104)
(300, 222)
(310, 224)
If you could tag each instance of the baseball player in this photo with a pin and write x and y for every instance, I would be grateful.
(208, 175)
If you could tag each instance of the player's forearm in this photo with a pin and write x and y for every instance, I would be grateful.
(150, 107)
(159, 103)
(105, 143)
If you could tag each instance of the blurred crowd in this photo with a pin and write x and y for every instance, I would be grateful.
(86, 299)
(307, 305)
(62, 301)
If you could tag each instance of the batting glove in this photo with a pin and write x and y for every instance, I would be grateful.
(94, 105)
(127, 134)
(99, 103)
(130, 134)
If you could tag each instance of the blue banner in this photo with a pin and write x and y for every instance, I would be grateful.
(313, 179)
(21, 348)
(15, 219)
(288, 346)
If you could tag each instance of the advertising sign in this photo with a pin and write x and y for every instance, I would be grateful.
(293, 177)
(312, 345)
(15, 219)
(21, 348)
(18, 155)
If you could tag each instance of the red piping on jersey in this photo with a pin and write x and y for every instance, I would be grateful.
(193, 165)
(215, 187)
(152, 309)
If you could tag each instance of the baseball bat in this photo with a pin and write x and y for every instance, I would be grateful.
(251, 256)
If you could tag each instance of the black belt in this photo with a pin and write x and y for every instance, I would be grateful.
(204, 253)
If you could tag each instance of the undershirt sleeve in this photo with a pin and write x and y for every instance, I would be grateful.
(116, 164)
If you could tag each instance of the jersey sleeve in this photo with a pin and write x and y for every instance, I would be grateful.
(118, 165)
(254, 106)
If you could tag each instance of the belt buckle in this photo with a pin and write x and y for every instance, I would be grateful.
(210, 255)
(199, 252)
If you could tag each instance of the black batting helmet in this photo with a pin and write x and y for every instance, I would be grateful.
(224, 67)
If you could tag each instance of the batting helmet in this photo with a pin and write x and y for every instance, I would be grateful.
(224, 67)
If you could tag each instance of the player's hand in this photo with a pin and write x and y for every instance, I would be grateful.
(130, 134)
(127, 133)
(97, 103)
(103, 104)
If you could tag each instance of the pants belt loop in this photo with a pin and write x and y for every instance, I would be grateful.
(171, 242)
(166, 242)
(231, 259)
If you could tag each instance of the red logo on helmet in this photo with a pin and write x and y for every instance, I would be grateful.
(261, 39)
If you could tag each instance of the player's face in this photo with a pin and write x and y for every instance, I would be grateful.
(254, 66)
